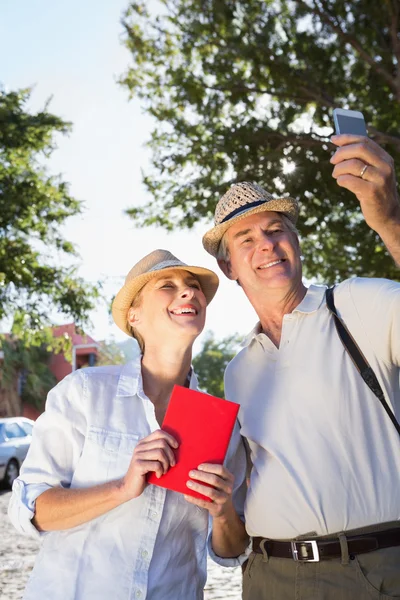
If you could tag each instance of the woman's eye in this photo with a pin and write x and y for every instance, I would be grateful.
(167, 285)
(195, 285)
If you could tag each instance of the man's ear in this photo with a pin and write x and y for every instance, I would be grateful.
(226, 268)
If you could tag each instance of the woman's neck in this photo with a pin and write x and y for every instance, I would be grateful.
(162, 368)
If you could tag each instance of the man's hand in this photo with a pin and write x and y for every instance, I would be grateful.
(153, 453)
(374, 186)
(221, 492)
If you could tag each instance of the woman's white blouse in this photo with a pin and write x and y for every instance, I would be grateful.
(153, 546)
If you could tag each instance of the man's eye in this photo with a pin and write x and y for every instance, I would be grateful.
(276, 231)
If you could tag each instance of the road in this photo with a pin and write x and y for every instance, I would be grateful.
(17, 555)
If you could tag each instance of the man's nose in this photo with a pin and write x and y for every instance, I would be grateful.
(266, 243)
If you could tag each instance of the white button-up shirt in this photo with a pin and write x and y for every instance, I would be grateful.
(326, 457)
(153, 546)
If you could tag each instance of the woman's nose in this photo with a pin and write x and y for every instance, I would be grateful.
(187, 292)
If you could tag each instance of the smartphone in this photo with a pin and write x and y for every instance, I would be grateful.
(349, 121)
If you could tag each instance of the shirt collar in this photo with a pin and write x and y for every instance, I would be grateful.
(250, 336)
(130, 381)
(312, 300)
(194, 383)
(310, 303)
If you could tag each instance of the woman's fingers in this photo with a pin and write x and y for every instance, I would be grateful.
(164, 456)
(219, 470)
(159, 445)
(216, 476)
(159, 434)
(162, 446)
(149, 466)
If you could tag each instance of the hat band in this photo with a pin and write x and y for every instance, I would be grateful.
(241, 209)
(165, 264)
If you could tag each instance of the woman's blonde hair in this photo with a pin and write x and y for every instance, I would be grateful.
(133, 331)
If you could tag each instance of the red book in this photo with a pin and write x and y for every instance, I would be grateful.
(202, 425)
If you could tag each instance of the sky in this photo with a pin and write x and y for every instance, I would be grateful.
(72, 53)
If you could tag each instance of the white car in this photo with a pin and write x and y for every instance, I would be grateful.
(15, 439)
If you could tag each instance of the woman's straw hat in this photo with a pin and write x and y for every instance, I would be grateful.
(146, 269)
(240, 201)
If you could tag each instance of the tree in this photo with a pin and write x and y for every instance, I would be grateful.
(28, 363)
(243, 90)
(110, 353)
(210, 363)
(33, 207)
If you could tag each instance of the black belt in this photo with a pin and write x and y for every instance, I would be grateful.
(318, 549)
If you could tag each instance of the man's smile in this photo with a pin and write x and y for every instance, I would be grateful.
(272, 263)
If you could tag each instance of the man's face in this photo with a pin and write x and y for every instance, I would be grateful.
(264, 253)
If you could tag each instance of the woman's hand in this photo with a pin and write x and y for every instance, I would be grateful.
(220, 493)
(153, 453)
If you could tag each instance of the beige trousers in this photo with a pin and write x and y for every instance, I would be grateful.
(369, 576)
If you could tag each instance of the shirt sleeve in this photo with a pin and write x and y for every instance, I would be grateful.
(395, 323)
(236, 463)
(21, 508)
(377, 302)
(57, 441)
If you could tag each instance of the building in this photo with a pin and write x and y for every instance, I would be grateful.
(84, 353)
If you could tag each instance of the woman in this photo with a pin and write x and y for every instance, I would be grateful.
(82, 488)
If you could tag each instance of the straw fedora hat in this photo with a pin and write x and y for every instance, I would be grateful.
(146, 269)
(240, 201)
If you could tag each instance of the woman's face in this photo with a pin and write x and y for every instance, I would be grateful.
(172, 303)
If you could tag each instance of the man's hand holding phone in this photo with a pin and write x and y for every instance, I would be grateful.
(364, 168)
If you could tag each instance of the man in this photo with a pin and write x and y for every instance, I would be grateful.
(325, 455)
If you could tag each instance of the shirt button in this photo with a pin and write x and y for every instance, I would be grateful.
(144, 553)
(138, 594)
(154, 514)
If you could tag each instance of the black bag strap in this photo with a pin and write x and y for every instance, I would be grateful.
(358, 358)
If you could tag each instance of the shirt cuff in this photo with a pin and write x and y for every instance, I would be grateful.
(237, 561)
(21, 508)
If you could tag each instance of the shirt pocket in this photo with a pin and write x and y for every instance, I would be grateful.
(106, 456)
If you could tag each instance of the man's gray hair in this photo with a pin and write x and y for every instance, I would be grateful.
(223, 249)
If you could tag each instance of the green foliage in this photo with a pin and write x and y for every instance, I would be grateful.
(237, 87)
(33, 207)
(129, 348)
(28, 357)
(210, 363)
(110, 353)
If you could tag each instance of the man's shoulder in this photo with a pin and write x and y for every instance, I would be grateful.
(366, 289)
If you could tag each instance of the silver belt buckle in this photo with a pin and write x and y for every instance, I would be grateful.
(301, 550)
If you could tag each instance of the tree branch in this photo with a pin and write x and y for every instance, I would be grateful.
(325, 17)
(394, 28)
(384, 138)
